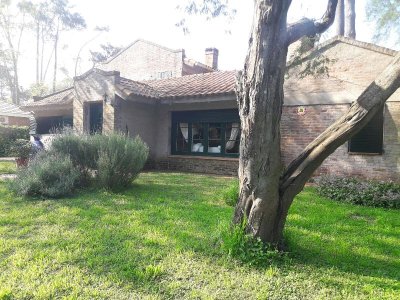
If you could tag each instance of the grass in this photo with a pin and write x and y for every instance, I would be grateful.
(159, 240)
(7, 167)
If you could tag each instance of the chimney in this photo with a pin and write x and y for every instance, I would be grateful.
(212, 58)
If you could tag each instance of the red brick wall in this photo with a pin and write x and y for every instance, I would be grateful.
(219, 166)
(298, 130)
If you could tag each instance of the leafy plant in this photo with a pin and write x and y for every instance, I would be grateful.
(236, 243)
(48, 175)
(366, 193)
(21, 148)
(8, 135)
(230, 195)
(113, 160)
(120, 160)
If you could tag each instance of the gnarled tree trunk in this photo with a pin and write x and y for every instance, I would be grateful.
(266, 190)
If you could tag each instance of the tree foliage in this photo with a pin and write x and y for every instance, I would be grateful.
(386, 15)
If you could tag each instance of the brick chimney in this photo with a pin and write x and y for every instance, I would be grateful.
(212, 58)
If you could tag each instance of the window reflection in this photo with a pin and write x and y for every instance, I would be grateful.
(232, 137)
(197, 137)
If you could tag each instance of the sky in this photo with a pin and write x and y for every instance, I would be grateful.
(154, 20)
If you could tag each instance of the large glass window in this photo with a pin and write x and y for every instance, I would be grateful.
(210, 133)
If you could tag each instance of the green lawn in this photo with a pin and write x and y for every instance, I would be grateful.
(159, 240)
(7, 167)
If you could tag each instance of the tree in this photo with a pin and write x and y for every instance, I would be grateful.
(13, 23)
(267, 188)
(64, 20)
(340, 18)
(346, 18)
(386, 14)
(107, 51)
(350, 24)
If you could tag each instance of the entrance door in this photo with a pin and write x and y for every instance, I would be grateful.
(96, 117)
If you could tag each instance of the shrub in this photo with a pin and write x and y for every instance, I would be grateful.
(80, 148)
(230, 195)
(367, 193)
(48, 175)
(21, 148)
(114, 159)
(120, 160)
(8, 135)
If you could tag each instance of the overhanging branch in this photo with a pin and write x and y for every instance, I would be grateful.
(359, 114)
(307, 27)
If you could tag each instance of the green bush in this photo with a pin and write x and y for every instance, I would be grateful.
(81, 149)
(113, 160)
(120, 160)
(230, 195)
(8, 135)
(355, 191)
(48, 175)
(21, 148)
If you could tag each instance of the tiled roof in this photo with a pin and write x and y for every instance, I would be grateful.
(214, 83)
(62, 97)
(8, 109)
(138, 88)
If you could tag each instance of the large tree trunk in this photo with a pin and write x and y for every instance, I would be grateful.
(340, 18)
(266, 192)
(350, 24)
(260, 99)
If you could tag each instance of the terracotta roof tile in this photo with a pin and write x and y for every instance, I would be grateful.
(191, 85)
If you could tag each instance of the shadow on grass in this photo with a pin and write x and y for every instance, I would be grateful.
(126, 235)
(325, 234)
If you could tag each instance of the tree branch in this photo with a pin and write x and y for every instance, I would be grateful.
(358, 115)
(307, 27)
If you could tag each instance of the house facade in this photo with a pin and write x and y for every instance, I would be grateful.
(191, 123)
(12, 115)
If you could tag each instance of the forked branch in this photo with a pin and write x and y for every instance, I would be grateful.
(308, 27)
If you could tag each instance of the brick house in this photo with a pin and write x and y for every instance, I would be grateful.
(12, 115)
(191, 122)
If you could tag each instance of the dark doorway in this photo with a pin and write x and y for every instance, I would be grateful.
(96, 117)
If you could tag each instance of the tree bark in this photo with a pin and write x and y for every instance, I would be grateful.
(350, 24)
(55, 57)
(37, 51)
(259, 92)
(340, 18)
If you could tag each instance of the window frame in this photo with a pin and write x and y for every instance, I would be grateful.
(204, 117)
(380, 116)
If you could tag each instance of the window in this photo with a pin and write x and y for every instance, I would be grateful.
(209, 133)
(370, 138)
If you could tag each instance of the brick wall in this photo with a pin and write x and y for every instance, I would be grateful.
(219, 166)
(14, 121)
(144, 60)
(298, 129)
